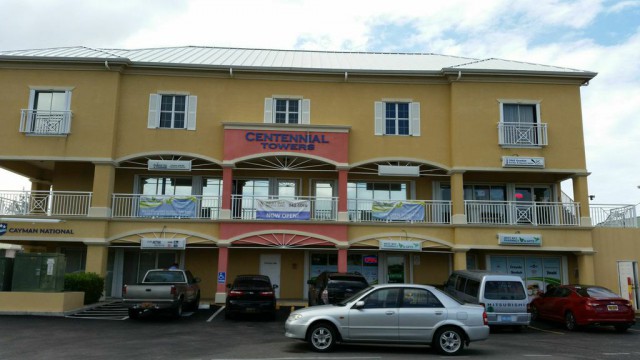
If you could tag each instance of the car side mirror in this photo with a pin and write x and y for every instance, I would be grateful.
(275, 286)
(359, 305)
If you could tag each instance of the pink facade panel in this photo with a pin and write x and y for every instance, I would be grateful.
(239, 143)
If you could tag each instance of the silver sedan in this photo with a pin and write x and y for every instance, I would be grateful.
(394, 314)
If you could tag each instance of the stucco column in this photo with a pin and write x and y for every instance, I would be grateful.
(586, 268)
(97, 259)
(342, 258)
(227, 186)
(343, 212)
(460, 259)
(223, 264)
(581, 195)
(458, 215)
(101, 198)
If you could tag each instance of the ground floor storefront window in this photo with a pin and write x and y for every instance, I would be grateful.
(538, 272)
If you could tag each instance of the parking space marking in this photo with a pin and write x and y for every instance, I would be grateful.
(615, 354)
(310, 358)
(549, 331)
(215, 314)
(634, 330)
(536, 355)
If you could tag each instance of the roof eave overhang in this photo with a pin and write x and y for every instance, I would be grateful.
(579, 75)
(64, 60)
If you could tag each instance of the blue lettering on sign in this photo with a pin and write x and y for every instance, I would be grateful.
(284, 141)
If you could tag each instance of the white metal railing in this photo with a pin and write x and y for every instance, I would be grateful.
(45, 122)
(320, 208)
(415, 211)
(165, 206)
(522, 134)
(613, 215)
(522, 213)
(49, 203)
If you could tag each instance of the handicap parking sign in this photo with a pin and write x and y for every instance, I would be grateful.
(222, 277)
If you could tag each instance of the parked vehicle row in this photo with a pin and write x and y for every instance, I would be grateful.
(343, 308)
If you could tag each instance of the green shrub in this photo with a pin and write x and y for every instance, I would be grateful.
(91, 283)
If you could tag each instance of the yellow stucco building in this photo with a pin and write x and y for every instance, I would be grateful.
(402, 167)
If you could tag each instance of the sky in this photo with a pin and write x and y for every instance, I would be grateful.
(595, 35)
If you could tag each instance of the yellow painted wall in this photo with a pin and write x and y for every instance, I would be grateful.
(203, 263)
(41, 302)
(433, 269)
(613, 245)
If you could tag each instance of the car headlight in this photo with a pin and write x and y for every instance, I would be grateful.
(294, 317)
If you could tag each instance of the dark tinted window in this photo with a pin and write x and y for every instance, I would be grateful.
(384, 298)
(460, 283)
(420, 298)
(504, 290)
(472, 287)
(596, 292)
(249, 284)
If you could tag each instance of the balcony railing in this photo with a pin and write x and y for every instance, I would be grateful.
(522, 134)
(412, 211)
(45, 122)
(284, 208)
(623, 216)
(522, 213)
(165, 206)
(49, 203)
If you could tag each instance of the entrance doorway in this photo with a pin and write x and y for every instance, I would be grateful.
(628, 280)
(396, 269)
(270, 266)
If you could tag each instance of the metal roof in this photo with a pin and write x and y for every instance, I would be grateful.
(299, 60)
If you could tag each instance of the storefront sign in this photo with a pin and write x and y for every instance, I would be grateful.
(286, 141)
(283, 209)
(398, 210)
(4, 229)
(149, 243)
(169, 165)
(400, 245)
(520, 239)
(528, 162)
(168, 206)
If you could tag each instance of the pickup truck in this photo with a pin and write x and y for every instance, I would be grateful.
(162, 290)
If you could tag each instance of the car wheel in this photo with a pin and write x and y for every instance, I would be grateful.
(570, 321)
(535, 315)
(322, 337)
(177, 311)
(133, 314)
(193, 306)
(449, 341)
(621, 328)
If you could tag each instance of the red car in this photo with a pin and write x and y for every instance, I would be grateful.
(578, 305)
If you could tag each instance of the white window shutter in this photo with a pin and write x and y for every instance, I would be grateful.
(191, 112)
(32, 99)
(306, 111)
(379, 117)
(67, 107)
(268, 110)
(153, 121)
(414, 114)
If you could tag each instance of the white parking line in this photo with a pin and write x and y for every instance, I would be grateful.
(615, 354)
(215, 314)
(311, 358)
(536, 355)
(549, 331)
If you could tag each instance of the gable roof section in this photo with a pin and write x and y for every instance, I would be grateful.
(292, 60)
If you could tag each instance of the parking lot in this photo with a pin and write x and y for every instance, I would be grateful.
(205, 334)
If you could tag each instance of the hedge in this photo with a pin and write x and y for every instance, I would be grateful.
(91, 283)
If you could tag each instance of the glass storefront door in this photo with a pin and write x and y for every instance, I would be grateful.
(396, 269)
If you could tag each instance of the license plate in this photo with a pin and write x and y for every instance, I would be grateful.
(146, 305)
(507, 318)
(250, 310)
(612, 307)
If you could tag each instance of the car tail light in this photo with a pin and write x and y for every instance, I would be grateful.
(173, 290)
(485, 319)
(266, 293)
(234, 293)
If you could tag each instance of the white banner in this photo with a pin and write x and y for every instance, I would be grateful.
(280, 209)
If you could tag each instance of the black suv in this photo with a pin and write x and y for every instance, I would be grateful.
(332, 287)
(251, 294)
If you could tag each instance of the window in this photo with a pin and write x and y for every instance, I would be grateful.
(171, 111)
(520, 124)
(420, 298)
(382, 299)
(48, 113)
(283, 110)
(397, 118)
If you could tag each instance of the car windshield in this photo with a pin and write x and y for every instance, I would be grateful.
(350, 298)
(596, 292)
